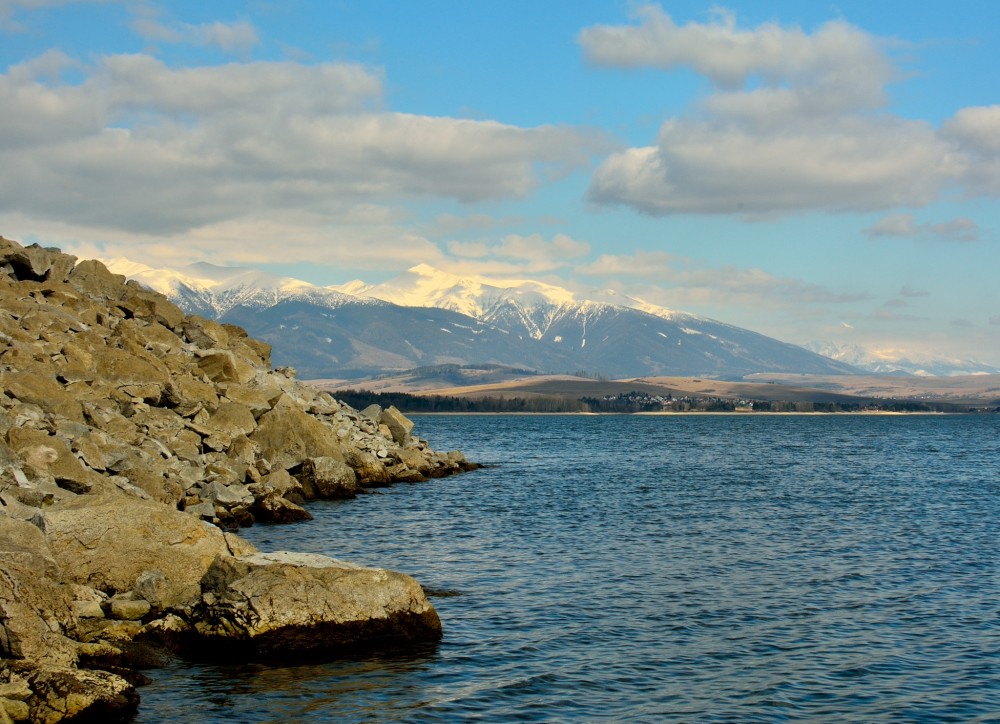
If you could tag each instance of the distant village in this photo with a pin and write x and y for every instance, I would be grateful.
(635, 402)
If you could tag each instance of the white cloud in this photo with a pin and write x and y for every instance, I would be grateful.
(837, 57)
(535, 248)
(976, 132)
(236, 37)
(640, 264)
(795, 122)
(145, 149)
(906, 226)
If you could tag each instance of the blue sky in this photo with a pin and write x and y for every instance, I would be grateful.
(813, 171)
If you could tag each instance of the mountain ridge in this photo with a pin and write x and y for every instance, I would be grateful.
(427, 316)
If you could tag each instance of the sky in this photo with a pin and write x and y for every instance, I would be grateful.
(814, 171)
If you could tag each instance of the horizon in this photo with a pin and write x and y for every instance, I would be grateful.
(813, 173)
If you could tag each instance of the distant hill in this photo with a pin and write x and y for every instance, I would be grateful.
(427, 317)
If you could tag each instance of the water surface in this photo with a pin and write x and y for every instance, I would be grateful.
(668, 568)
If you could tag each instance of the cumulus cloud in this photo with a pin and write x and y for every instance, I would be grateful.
(837, 57)
(911, 293)
(795, 122)
(146, 149)
(995, 320)
(906, 226)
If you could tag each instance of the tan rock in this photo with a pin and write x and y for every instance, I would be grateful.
(232, 419)
(109, 541)
(35, 616)
(287, 436)
(329, 478)
(41, 389)
(281, 603)
(187, 395)
(399, 425)
(63, 693)
(221, 365)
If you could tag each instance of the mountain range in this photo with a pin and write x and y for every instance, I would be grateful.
(426, 316)
(892, 363)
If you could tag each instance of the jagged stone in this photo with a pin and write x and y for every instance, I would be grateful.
(273, 508)
(22, 541)
(278, 604)
(287, 436)
(399, 425)
(43, 390)
(68, 694)
(369, 469)
(329, 478)
(232, 419)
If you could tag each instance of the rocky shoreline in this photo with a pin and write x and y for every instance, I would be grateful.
(134, 439)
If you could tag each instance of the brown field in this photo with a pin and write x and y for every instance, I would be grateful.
(974, 390)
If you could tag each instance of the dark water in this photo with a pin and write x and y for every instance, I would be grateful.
(683, 568)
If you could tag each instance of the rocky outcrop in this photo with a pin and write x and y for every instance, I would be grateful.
(133, 438)
(268, 604)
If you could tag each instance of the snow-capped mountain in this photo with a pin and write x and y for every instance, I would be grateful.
(519, 305)
(212, 291)
(895, 362)
(426, 316)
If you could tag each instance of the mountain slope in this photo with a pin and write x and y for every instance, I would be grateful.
(425, 317)
(606, 332)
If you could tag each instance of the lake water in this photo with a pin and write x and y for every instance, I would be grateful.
(664, 568)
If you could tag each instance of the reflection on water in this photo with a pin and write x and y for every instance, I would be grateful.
(647, 569)
(358, 688)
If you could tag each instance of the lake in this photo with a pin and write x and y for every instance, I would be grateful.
(663, 568)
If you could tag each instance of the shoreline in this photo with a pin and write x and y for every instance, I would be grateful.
(858, 413)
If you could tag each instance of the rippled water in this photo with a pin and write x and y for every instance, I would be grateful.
(667, 568)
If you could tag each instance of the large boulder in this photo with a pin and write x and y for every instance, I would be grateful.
(287, 436)
(295, 604)
(399, 425)
(107, 542)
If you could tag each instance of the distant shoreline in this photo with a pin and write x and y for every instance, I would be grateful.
(686, 413)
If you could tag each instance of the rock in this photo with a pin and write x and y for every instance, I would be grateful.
(36, 618)
(67, 694)
(117, 412)
(221, 365)
(273, 508)
(24, 542)
(287, 436)
(277, 605)
(109, 542)
(369, 469)
(124, 609)
(87, 609)
(373, 412)
(399, 425)
(329, 477)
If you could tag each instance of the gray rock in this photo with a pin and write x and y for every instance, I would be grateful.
(275, 604)
(329, 477)
(399, 425)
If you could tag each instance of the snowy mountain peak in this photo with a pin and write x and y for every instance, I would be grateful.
(212, 290)
(900, 362)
